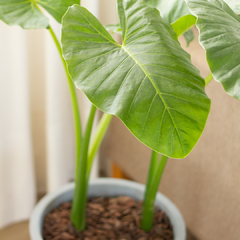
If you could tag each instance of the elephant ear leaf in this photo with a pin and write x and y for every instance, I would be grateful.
(26, 13)
(149, 81)
(220, 36)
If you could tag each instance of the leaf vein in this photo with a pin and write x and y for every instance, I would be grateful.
(149, 109)
(179, 136)
(169, 79)
(135, 95)
(177, 97)
(110, 40)
(217, 52)
(147, 35)
(184, 114)
(161, 124)
(89, 59)
(125, 77)
(110, 75)
(135, 32)
(173, 69)
(101, 66)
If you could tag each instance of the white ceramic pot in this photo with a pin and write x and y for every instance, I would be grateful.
(104, 187)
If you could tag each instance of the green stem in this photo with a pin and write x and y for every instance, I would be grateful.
(153, 181)
(97, 140)
(78, 213)
(208, 79)
(76, 113)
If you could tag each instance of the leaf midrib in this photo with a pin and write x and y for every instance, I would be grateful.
(155, 87)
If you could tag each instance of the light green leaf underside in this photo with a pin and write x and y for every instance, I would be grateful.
(234, 5)
(170, 10)
(183, 24)
(219, 30)
(57, 8)
(149, 82)
(25, 13)
(175, 12)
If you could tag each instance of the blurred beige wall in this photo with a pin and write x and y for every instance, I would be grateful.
(108, 12)
(35, 41)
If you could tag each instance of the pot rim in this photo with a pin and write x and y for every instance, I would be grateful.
(132, 188)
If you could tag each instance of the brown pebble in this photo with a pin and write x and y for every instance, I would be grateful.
(107, 219)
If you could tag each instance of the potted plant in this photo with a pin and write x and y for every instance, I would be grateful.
(148, 82)
(159, 94)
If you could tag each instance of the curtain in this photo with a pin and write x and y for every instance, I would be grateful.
(17, 182)
(37, 150)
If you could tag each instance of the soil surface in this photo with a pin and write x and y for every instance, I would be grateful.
(107, 219)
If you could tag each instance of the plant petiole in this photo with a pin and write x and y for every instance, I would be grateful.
(97, 139)
(76, 113)
(208, 79)
(78, 213)
(154, 177)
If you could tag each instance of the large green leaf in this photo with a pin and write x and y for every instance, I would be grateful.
(219, 30)
(26, 13)
(148, 82)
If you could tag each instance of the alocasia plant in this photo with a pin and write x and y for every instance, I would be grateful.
(148, 81)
